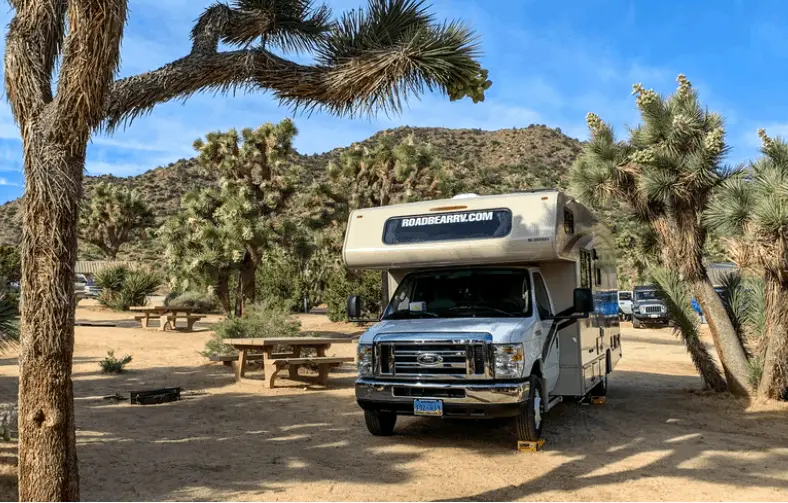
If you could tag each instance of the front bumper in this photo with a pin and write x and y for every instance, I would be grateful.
(459, 400)
(648, 318)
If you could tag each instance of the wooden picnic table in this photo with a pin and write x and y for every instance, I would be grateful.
(275, 362)
(166, 316)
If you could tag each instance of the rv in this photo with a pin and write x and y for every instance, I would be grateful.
(497, 306)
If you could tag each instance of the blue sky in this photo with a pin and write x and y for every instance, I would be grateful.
(550, 63)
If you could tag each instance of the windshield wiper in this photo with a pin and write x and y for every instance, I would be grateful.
(480, 307)
(404, 313)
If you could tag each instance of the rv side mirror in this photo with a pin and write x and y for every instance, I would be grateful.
(354, 307)
(584, 300)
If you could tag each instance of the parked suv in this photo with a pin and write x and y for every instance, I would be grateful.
(648, 307)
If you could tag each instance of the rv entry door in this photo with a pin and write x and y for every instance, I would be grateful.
(549, 336)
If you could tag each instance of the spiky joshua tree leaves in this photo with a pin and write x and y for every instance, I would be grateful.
(366, 61)
(751, 209)
(666, 173)
(197, 248)
(256, 184)
(113, 216)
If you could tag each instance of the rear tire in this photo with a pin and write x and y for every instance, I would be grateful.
(529, 422)
(636, 323)
(380, 424)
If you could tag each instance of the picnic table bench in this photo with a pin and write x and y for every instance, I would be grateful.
(166, 316)
(273, 363)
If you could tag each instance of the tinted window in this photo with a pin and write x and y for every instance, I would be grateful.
(448, 226)
(624, 295)
(542, 299)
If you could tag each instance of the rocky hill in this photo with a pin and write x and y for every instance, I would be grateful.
(538, 149)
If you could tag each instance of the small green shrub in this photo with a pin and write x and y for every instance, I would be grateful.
(343, 284)
(9, 322)
(265, 320)
(111, 279)
(196, 301)
(112, 365)
(123, 288)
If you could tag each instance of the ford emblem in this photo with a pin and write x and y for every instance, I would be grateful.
(429, 359)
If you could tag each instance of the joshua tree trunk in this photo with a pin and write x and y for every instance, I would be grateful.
(248, 270)
(774, 381)
(223, 289)
(683, 240)
(47, 444)
(726, 341)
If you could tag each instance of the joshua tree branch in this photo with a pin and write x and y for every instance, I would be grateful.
(91, 54)
(33, 42)
(370, 75)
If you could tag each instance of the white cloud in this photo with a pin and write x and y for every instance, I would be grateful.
(5, 182)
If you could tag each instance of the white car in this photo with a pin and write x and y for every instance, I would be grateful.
(625, 304)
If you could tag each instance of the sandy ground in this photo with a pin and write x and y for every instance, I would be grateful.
(656, 438)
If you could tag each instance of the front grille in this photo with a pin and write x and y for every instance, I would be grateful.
(653, 309)
(432, 360)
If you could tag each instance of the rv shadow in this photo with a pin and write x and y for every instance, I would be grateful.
(663, 420)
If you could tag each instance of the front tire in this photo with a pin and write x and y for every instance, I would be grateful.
(529, 422)
(380, 424)
(601, 388)
(636, 323)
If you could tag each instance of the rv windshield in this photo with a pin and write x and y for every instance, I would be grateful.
(462, 293)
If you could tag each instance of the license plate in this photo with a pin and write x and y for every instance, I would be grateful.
(653, 316)
(428, 407)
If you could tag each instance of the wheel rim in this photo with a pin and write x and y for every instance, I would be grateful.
(537, 410)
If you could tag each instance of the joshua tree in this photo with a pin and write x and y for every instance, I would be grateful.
(256, 185)
(197, 249)
(666, 173)
(112, 217)
(752, 210)
(390, 172)
(366, 61)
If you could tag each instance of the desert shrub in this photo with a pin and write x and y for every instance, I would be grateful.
(112, 365)
(9, 322)
(277, 281)
(266, 319)
(344, 283)
(111, 279)
(196, 301)
(123, 288)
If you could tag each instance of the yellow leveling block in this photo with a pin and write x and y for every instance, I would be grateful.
(598, 400)
(525, 446)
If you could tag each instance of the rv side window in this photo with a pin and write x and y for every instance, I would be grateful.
(542, 298)
(569, 222)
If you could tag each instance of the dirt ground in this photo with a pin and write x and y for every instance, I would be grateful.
(656, 438)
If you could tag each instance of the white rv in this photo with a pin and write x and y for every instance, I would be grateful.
(499, 306)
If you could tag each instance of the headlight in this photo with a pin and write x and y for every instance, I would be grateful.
(364, 360)
(509, 361)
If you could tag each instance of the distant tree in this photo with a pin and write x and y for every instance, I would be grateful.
(665, 174)
(10, 265)
(113, 216)
(389, 172)
(257, 181)
(752, 211)
(366, 61)
(196, 247)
